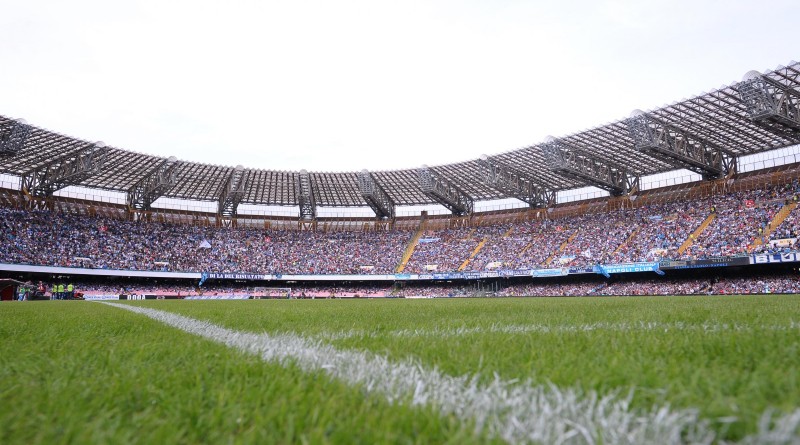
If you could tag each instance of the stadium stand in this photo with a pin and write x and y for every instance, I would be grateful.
(725, 214)
(647, 233)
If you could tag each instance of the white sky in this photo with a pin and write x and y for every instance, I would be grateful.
(347, 85)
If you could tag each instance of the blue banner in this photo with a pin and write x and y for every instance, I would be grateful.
(607, 269)
(549, 272)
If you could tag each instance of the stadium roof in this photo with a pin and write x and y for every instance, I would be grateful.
(731, 121)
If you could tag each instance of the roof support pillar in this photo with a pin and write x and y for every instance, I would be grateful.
(232, 193)
(515, 184)
(679, 148)
(305, 197)
(444, 192)
(153, 186)
(70, 169)
(375, 196)
(567, 160)
(770, 103)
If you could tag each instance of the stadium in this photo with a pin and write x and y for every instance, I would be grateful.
(729, 232)
(414, 305)
(728, 214)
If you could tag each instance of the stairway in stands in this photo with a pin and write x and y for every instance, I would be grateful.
(412, 245)
(779, 217)
(472, 255)
(694, 235)
(561, 248)
(627, 240)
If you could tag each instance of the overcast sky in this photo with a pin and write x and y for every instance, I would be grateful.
(348, 85)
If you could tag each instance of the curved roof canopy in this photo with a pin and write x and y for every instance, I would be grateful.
(705, 133)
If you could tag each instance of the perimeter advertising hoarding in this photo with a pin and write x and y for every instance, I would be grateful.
(580, 270)
(218, 297)
(513, 272)
(709, 262)
(238, 276)
(448, 276)
(100, 297)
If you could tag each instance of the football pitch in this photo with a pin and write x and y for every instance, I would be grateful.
(524, 370)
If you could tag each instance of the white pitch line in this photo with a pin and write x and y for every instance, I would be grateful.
(515, 412)
(642, 326)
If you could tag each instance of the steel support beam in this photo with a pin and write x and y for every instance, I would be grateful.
(232, 193)
(569, 161)
(444, 192)
(375, 196)
(153, 186)
(770, 103)
(515, 184)
(679, 148)
(70, 169)
(305, 197)
(13, 137)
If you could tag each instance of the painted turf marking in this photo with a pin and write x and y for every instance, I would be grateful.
(642, 326)
(506, 409)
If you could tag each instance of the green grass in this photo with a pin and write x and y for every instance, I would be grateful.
(73, 372)
(723, 373)
(79, 372)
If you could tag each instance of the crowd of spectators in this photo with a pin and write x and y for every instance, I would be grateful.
(548, 289)
(740, 218)
(46, 238)
(523, 245)
(433, 290)
(784, 237)
(652, 286)
(647, 233)
(728, 285)
(598, 239)
(661, 229)
(443, 250)
(756, 285)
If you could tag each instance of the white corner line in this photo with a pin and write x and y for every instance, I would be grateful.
(517, 413)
